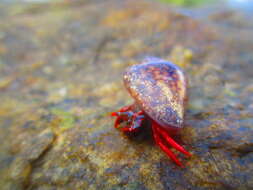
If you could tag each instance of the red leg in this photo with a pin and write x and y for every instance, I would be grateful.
(161, 137)
(159, 142)
(170, 141)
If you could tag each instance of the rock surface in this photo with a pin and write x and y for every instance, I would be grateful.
(61, 68)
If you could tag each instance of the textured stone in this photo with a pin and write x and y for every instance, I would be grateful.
(61, 76)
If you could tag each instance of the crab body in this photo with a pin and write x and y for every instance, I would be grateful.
(159, 90)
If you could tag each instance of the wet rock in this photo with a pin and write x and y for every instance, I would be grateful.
(39, 144)
(31, 147)
(28, 149)
(61, 76)
(20, 171)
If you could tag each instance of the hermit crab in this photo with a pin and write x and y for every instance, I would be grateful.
(159, 90)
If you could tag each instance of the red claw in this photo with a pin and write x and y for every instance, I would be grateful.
(114, 114)
(133, 120)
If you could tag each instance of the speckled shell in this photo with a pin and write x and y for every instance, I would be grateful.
(159, 89)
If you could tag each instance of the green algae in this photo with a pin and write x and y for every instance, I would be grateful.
(66, 119)
(188, 3)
